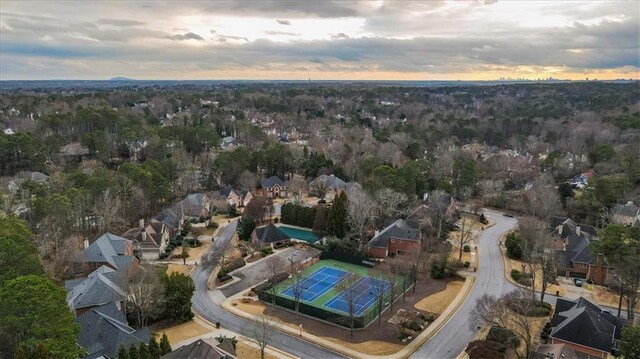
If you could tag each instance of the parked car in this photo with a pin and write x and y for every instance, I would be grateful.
(577, 282)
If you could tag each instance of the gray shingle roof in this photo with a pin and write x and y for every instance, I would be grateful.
(102, 286)
(104, 329)
(330, 181)
(270, 234)
(170, 216)
(272, 181)
(399, 229)
(200, 349)
(582, 322)
(224, 191)
(106, 249)
(628, 210)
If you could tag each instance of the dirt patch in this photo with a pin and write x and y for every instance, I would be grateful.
(604, 296)
(244, 350)
(376, 339)
(182, 332)
(436, 303)
(455, 254)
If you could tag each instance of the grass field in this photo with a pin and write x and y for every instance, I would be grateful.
(320, 289)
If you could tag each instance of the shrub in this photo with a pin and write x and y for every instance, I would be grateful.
(527, 282)
(266, 251)
(467, 264)
(235, 264)
(504, 336)
(534, 307)
(516, 275)
(223, 338)
(213, 225)
(169, 248)
(163, 255)
(224, 277)
(466, 248)
(483, 219)
(514, 246)
(482, 349)
(441, 269)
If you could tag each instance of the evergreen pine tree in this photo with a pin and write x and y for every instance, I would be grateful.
(133, 352)
(123, 353)
(337, 221)
(144, 351)
(165, 347)
(154, 348)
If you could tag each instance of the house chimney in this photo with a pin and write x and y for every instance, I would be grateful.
(141, 222)
(578, 230)
(560, 230)
(86, 243)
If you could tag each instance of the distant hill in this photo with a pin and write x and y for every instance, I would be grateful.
(121, 79)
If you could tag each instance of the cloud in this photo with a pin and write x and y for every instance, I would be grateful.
(120, 22)
(283, 33)
(339, 36)
(283, 22)
(187, 36)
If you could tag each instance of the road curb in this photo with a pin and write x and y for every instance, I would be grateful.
(409, 349)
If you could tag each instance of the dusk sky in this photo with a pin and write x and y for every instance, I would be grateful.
(361, 40)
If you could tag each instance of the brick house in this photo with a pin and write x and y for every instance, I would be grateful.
(150, 240)
(573, 255)
(273, 187)
(231, 196)
(398, 238)
(628, 214)
(585, 328)
(330, 183)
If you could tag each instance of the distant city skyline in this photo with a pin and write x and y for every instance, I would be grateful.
(320, 40)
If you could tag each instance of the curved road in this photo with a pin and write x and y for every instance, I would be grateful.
(454, 336)
(209, 307)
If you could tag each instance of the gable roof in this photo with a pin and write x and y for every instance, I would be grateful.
(627, 210)
(202, 348)
(104, 329)
(330, 181)
(106, 249)
(270, 234)
(102, 286)
(272, 181)
(170, 216)
(225, 191)
(582, 322)
(400, 229)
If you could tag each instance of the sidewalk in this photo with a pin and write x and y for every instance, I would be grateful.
(403, 353)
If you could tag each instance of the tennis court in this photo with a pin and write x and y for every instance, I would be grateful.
(317, 283)
(363, 292)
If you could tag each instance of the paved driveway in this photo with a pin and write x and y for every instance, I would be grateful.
(257, 272)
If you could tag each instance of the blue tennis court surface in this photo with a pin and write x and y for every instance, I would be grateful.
(317, 283)
(365, 290)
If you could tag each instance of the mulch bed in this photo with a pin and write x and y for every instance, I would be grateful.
(384, 332)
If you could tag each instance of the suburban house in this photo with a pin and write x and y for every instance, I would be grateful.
(102, 286)
(573, 255)
(109, 250)
(269, 235)
(628, 214)
(398, 238)
(248, 196)
(231, 196)
(104, 329)
(553, 351)
(330, 184)
(195, 206)
(203, 348)
(150, 240)
(273, 187)
(172, 218)
(229, 143)
(580, 181)
(585, 328)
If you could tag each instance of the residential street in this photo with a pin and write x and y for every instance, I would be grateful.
(204, 305)
(454, 336)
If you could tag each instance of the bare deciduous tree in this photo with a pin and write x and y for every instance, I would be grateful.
(274, 265)
(438, 205)
(537, 251)
(509, 311)
(351, 289)
(261, 332)
(362, 214)
(380, 287)
(144, 297)
(466, 235)
(391, 204)
(320, 189)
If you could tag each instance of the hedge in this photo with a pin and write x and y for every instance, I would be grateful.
(514, 246)
(516, 275)
(298, 215)
(504, 336)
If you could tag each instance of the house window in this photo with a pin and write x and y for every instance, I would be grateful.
(393, 240)
(401, 241)
(585, 265)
